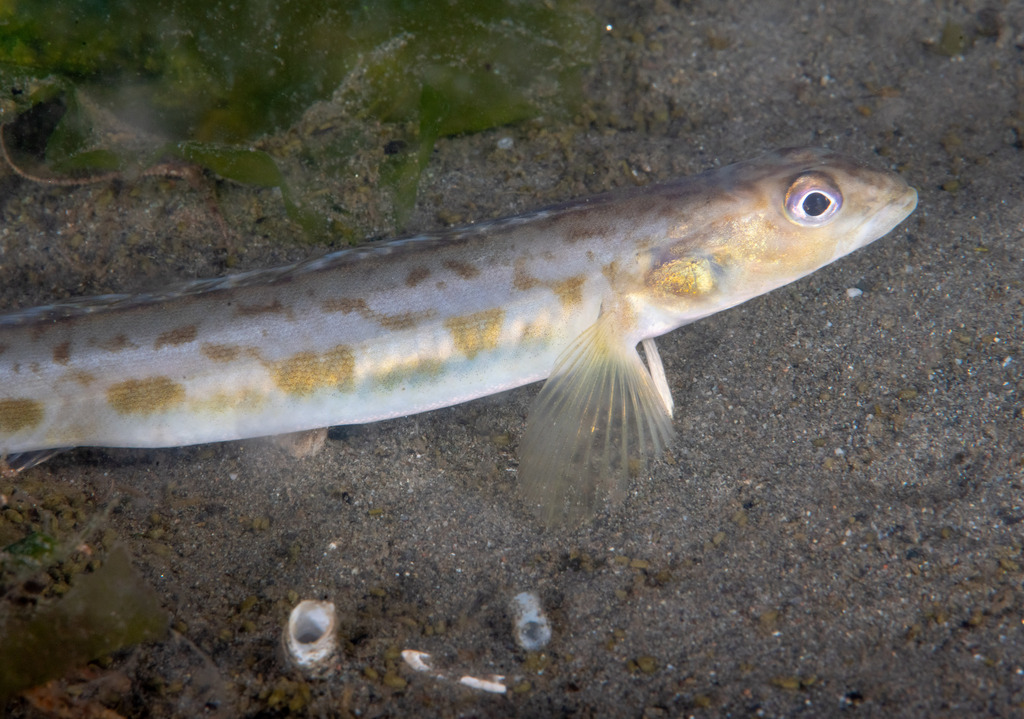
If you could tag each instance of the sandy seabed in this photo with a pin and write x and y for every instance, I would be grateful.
(837, 529)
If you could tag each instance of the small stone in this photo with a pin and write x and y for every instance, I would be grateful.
(792, 683)
(647, 664)
(394, 681)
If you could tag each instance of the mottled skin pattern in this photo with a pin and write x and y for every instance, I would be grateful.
(409, 326)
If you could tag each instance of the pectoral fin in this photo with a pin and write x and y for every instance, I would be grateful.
(598, 416)
(657, 370)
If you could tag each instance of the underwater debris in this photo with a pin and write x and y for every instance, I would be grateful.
(532, 628)
(420, 662)
(309, 637)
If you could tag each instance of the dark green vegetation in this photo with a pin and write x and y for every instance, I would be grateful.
(224, 74)
(104, 611)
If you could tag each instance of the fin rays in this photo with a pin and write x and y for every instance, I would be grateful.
(599, 413)
(20, 461)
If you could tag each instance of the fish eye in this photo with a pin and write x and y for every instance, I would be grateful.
(812, 200)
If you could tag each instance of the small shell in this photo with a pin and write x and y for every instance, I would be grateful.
(310, 638)
(420, 662)
(532, 628)
(492, 684)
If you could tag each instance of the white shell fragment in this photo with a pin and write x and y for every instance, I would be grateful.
(309, 637)
(420, 662)
(492, 685)
(532, 628)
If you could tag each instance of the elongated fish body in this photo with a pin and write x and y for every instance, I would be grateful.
(389, 330)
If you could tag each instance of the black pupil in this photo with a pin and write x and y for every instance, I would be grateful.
(815, 204)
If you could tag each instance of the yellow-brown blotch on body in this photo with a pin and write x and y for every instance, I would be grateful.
(145, 396)
(477, 332)
(20, 414)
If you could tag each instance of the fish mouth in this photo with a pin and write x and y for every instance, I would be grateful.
(899, 208)
(909, 202)
(889, 214)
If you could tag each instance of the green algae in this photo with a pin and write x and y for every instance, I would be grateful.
(221, 74)
(33, 550)
(104, 611)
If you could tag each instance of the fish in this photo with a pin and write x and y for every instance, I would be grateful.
(566, 294)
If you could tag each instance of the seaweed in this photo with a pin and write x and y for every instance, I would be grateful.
(220, 74)
(104, 611)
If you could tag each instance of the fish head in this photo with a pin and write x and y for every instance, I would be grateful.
(823, 205)
(769, 221)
